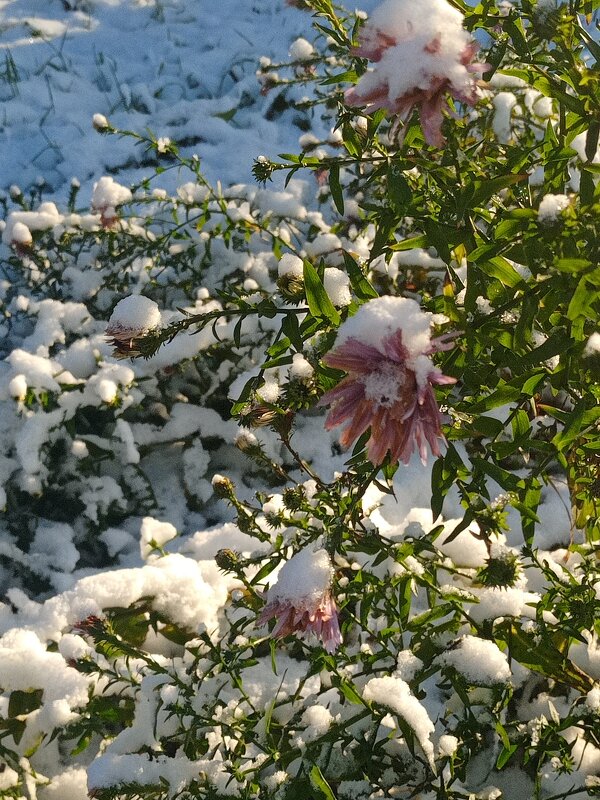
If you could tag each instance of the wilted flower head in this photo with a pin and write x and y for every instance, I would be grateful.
(385, 349)
(422, 53)
(132, 318)
(301, 600)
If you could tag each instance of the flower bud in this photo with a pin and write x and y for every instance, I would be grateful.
(227, 560)
(222, 487)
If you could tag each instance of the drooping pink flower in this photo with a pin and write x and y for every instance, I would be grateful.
(385, 349)
(301, 600)
(422, 54)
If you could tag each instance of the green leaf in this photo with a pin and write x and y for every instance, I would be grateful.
(411, 244)
(398, 189)
(593, 168)
(350, 693)
(291, 329)
(485, 189)
(361, 286)
(350, 76)
(508, 748)
(501, 269)
(320, 784)
(543, 657)
(584, 297)
(335, 188)
(500, 397)
(318, 300)
(507, 480)
(572, 264)
(520, 424)
(24, 702)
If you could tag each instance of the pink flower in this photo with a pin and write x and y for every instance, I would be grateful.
(422, 54)
(301, 600)
(385, 350)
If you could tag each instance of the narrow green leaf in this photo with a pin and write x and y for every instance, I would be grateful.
(501, 269)
(335, 187)
(318, 300)
(572, 264)
(410, 244)
(398, 189)
(499, 397)
(291, 329)
(350, 76)
(361, 286)
(320, 784)
(485, 189)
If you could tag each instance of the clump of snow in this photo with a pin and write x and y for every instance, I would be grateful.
(192, 193)
(337, 286)
(447, 745)
(108, 194)
(551, 207)
(290, 264)
(134, 313)
(301, 50)
(99, 122)
(504, 106)
(154, 535)
(308, 574)
(20, 223)
(479, 660)
(317, 720)
(377, 319)
(592, 346)
(300, 368)
(20, 234)
(395, 694)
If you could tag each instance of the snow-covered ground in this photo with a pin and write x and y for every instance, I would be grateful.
(183, 68)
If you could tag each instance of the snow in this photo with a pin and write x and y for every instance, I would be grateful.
(504, 107)
(411, 63)
(395, 694)
(551, 207)
(290, 264)
(117, 57)
(307, 575)
(134, 313)
(337, 286)
(479, 660)
(301, 50)
(592, 346)
(107, 194)
(300, 368)
(377, 319)
(154, 534)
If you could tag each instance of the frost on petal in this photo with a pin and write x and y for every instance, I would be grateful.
(384, 349)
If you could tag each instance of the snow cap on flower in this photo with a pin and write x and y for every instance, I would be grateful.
(107, 194)
(132, 318)
(385, 348)
(301, 600)
(421, 53)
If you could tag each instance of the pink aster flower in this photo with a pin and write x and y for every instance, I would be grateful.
(385, 349)
(301, 600)
(421, 54)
